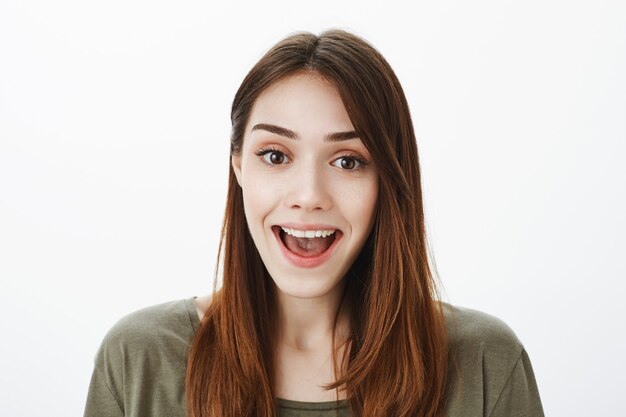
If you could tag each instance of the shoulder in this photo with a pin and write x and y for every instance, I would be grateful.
(489, 371)
(473, 329)
(153, 332)
(142, 358)
(149, 324)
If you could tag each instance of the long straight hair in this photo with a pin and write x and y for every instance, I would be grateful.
(398, 350)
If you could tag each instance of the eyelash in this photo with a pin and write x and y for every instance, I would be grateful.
(264, 151)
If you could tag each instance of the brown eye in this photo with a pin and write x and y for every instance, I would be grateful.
(272, 156)
(276, 158)
(348, 163)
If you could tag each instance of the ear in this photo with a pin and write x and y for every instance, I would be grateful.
(236, 163)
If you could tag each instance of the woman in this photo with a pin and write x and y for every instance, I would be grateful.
(328, 304)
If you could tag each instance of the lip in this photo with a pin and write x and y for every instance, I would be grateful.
(301, 261)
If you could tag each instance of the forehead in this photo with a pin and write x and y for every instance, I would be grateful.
(303, 102)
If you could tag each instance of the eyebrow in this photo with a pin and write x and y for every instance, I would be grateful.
(331, 137)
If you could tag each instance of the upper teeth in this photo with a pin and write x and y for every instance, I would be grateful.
(308, 233)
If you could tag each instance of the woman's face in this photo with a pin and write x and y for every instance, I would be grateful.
(304, 172)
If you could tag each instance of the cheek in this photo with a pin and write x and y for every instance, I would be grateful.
(359, 201)
(369, 205)
(258, 199)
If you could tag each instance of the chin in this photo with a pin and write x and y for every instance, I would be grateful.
(305, 288)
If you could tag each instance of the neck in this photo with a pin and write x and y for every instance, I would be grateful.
(308, 323)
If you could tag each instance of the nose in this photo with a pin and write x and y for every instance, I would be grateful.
(308, 189)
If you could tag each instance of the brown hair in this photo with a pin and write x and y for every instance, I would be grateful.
(397, 359)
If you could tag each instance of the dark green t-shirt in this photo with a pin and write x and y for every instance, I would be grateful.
(140, 368)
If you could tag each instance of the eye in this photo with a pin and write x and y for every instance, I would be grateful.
(272, 156)
(349, 162)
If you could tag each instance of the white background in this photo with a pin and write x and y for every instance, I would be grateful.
(114, 126)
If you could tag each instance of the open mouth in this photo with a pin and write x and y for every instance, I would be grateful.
(307, 244)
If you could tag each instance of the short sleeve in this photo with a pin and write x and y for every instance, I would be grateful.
(519, 396)
(100, 400)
